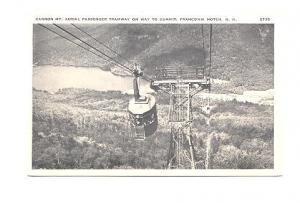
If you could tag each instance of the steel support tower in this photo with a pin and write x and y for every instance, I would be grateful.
(182, 85)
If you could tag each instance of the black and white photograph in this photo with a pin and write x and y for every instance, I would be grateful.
(149, 101)
(153, 96)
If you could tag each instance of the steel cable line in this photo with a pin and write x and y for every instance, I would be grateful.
(93, 48)
(77, 44)
(74, 42)
(115, 62)
(202, 32)
(120, 65)
(210, 62)
(81, 30)
(210, 39)
(203, 47)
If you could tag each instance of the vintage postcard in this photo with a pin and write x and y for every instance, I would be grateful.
(153, 97)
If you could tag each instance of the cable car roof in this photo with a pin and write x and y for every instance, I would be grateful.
(140, 108)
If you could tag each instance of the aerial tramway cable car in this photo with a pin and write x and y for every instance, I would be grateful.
(142, 110)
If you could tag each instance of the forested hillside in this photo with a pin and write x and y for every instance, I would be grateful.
(80, 128)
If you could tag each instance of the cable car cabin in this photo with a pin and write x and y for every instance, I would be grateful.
(142, 110)
(143, 116)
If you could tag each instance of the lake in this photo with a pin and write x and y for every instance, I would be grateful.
(53, 78)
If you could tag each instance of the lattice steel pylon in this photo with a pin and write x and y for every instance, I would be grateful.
(182, 85)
